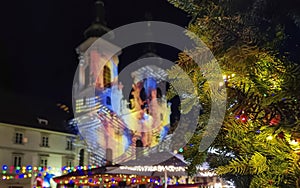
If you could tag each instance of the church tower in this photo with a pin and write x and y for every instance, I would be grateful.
(92, 88)
(113, 130)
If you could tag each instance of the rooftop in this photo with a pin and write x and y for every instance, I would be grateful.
(41, 113)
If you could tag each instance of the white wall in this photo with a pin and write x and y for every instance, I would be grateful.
(31, 151)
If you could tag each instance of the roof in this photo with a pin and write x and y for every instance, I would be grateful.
(96, 30)
(20, 110)
(164, 158)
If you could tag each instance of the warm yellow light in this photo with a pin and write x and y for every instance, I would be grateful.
(293, 142)
(232, 75)
(270, 137)
(221, 84)
(224, 76)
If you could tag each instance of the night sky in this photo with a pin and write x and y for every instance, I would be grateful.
(38, 41)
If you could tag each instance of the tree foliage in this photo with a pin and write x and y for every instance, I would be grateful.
(257, 145)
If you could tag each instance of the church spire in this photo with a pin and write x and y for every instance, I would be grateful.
(100, 11)
(149, 50)
(98, 27)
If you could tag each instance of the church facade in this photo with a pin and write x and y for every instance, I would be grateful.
(113, 124)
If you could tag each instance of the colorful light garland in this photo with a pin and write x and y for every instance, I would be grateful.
(12, 172)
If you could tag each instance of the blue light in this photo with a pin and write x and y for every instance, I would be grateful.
(64, 168)
(4, 167)
(29, 167)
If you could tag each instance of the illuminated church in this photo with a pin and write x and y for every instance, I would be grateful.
(114, 125)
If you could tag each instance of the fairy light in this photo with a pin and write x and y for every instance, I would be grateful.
(153, 168)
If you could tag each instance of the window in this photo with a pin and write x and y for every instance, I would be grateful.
(69, 144)
(19, 138)
(69, 163)
(45, 141)
(17, 160)
(81, 157)
(108, 100)
(106, 76)
(43, 162)
(87, 76)
(42, 121)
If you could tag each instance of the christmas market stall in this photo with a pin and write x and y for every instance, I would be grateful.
(101, 177)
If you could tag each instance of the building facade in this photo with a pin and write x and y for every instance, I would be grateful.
(113, 124)
(30, 157)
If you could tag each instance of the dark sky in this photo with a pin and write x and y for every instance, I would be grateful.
(38, 41)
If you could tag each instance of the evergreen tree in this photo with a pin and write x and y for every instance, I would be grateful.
(258, 142)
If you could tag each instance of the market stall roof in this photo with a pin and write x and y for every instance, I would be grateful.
(88, 172)
(156, 164)
(164, 158)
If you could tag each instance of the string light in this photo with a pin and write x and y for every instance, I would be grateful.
(153, 168)
(23, 172)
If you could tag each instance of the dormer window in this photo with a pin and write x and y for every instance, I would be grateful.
(42, 121)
